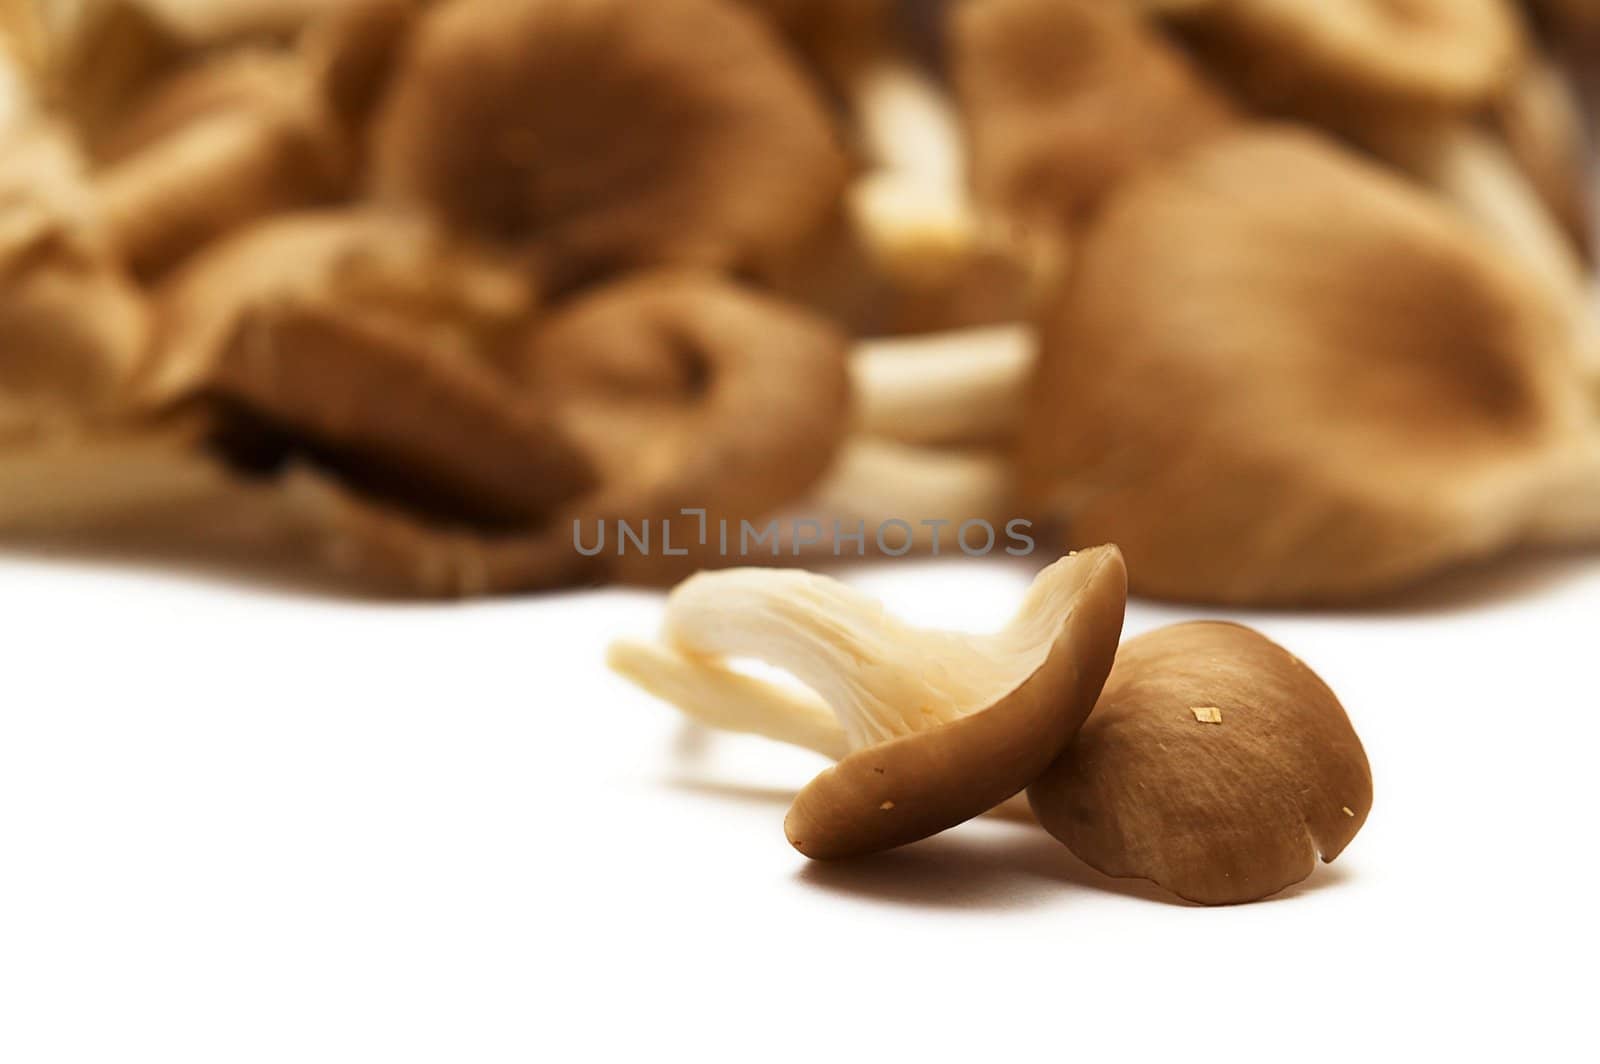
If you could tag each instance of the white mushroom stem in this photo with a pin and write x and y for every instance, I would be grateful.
(716, 696)
(913, 207)
(721, 698)
(963, 386)
(882, 678)
(1476, 172)
(877, 482)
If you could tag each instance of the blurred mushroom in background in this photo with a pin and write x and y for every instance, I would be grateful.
(72, 325)
(415, 286)
(688, 393)
(1280, 375)
(1409, 83)
(610, 134)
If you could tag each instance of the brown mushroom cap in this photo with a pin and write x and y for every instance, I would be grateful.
(1066, 98)
(351, 358)
(397, 267)
(72, 326)
(1279, 374)
(608, 132)
(1541, 121)
(214, 147)
(1215, 764)
(1451, 54)
(912, 787)
(689, 392)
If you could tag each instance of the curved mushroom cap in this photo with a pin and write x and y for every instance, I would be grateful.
(1436, 53)
(72, 326)
(610, 133)
(943, 725)
(395, 266)
(690, 392)
(918, 785)
(365, 346)
(215, 147)
(1279, 374)
(1066, 98)
(1215, 764)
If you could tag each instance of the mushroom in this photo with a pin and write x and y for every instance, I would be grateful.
(952, 387)
(689, 394)
(1215, 764)
(1405, 82)
(1445, 55)
(72, 326)
(94, 57)
(1540, 120)
(1279, 374)
(350, 359)
(209, 23)
(937, 727)
(609, 133)
(214, 147)
(399, 267)
(1064, 99)
(910, 498)
(911, 204)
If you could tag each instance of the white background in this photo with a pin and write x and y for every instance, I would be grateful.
(246, 823)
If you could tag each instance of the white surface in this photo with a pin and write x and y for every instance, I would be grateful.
(251, 825)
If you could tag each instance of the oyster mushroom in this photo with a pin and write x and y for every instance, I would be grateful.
(1215, 764)
(911, 203)
(1064, 99)
(940, 727)
(693, 140)
(350, 361)
(688, 393)
(1255, 423)
(1407, 83)
(953, 387)
(236, 138)
(1431, 54)
(72, 326)
(1540, 120)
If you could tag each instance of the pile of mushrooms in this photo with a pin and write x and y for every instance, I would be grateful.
(1291, 300)
(1202, 757)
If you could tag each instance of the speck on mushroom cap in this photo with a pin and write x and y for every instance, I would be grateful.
(688, 391)
(944, 726)
(1280, 374)
(1440, 53)
(610, 132)
(1215, 764)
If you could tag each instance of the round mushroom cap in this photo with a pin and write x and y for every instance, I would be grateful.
(1279, 374)
(1215, 764)
(689, 392)
(1451, 54)
(915, 786)
(610, 133)
(1064, 99)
